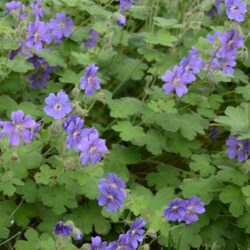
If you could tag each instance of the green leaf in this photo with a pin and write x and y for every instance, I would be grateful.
(215, 232)
(48, 175)
(196, 187)
(232, 175)
(201, 163)
(125, 107)
(186, 237)
(166, 23)
(127, 155)
(88, 216)
(54, 58)
(129, 68)
(52, 197)
(81, 58)
(246, 192)
(7, 103)
(244, 91)
(162, 37)
(28, 191)
(244, 222)
(127, 131)
(9, 182)
(179, 145)
(20, 64)
(236, 118)
(69, 76)
(154, 141)
(165, 176)
(32, 241)
(232, 195)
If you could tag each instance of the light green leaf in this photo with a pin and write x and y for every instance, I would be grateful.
(236, 118)
(201, 163)
(232, 195)
(127, 131)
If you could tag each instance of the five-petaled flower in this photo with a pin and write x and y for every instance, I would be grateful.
(90, 81)
(58, 105)
(20, 126)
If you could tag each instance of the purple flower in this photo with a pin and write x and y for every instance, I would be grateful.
(113, 181)
(122, 243)
(227, 65)
(63, 229)
(217, 6)
(58, 106)
(78, 235)
(38, 126)
(192, 64)
(90, 81)
(176, 79)
(39, 79)
(38, 8)
(91, 148)
(175, 211)
(61, 27)
(121, 19)
(15, 8)
(214, 133)
(184, 210)
(19, 127)
(194, 206)
(126, 4)
(42, 74)
(112, 192)
(93, 38)
(73, 126)
(135, 234)
(235, 10)
(230, 42)
(97, 244)
(37, 35)
(239, 148)
(1, 127)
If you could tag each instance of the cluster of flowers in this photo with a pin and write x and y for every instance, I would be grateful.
(66, 229)
(223, 54)
(85, 140)
(124, 5)
(130, 240)
(235, 9)
(38, 34)
(112, 192)
(183, 74)
(224, 50)
(20, 127)
(184, 210)
(91, 42)
(239, 148)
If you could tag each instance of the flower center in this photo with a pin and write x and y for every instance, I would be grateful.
(19, 126)
(175, 207)
(177, 80)
(234, 8)
(58, 106)
(90, 79)
(75, 135)
(110, 197)
(37, 36)
(92, 149)
(62, 25)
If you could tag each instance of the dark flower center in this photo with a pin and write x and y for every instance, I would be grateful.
(58, 106)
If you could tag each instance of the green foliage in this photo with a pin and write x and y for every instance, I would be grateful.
(162, 146)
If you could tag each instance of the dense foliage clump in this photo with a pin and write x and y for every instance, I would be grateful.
(124, 124)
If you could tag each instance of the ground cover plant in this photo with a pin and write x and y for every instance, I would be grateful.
(124, 124)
